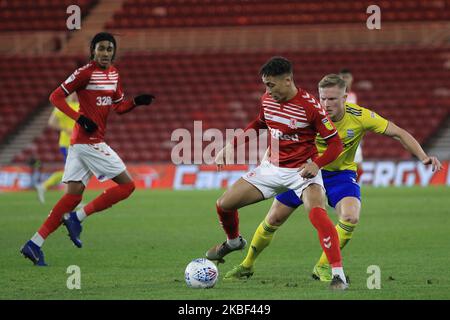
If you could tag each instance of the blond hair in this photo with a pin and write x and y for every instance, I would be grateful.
(331, 80)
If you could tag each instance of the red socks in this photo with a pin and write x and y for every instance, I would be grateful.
(328, 236)
(66, 204)
(109, 197)
(229, 221)
(69, 202)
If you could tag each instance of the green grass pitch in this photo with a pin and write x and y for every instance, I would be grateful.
(139, 249)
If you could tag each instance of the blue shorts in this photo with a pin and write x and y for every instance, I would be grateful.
(64, 152)
(338, 185)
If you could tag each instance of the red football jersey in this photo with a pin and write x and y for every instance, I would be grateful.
(98, 90)
(293, 125)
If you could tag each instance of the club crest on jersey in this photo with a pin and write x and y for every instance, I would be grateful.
(70, 79)
(350, 133)
(292, 124)
(327, 124)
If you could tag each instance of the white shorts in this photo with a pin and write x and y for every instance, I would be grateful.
(99, 159)
(272, 180)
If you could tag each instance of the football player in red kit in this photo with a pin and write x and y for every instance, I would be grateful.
(293, 118)
(99, 90)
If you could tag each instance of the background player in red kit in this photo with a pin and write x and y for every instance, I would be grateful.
(99, 90)
(293, 118)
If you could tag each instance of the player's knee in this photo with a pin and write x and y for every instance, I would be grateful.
(274, 220)
(314, 197)
(278, 214)
(350, 218)
(223, 204)
(75, 188)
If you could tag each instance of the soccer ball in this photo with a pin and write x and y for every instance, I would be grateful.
(201, 273)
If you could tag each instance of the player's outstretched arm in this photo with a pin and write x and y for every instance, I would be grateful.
(125, 106)
(412, 145)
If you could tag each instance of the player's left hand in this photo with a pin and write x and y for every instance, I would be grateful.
(309, 170)
(143, 99)
(435, 163)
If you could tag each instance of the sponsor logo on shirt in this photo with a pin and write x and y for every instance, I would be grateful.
(278, 134)
(327, 124)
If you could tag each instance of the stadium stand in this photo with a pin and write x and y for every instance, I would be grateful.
(38, 14)
(407, 84)
(26, 83)
(209, 13)
(222, 90)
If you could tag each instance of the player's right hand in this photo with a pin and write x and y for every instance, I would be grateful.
(87, 124)
(308, 170)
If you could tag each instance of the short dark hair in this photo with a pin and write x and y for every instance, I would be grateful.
(103, 36)
(276, 66)
(345, 71)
